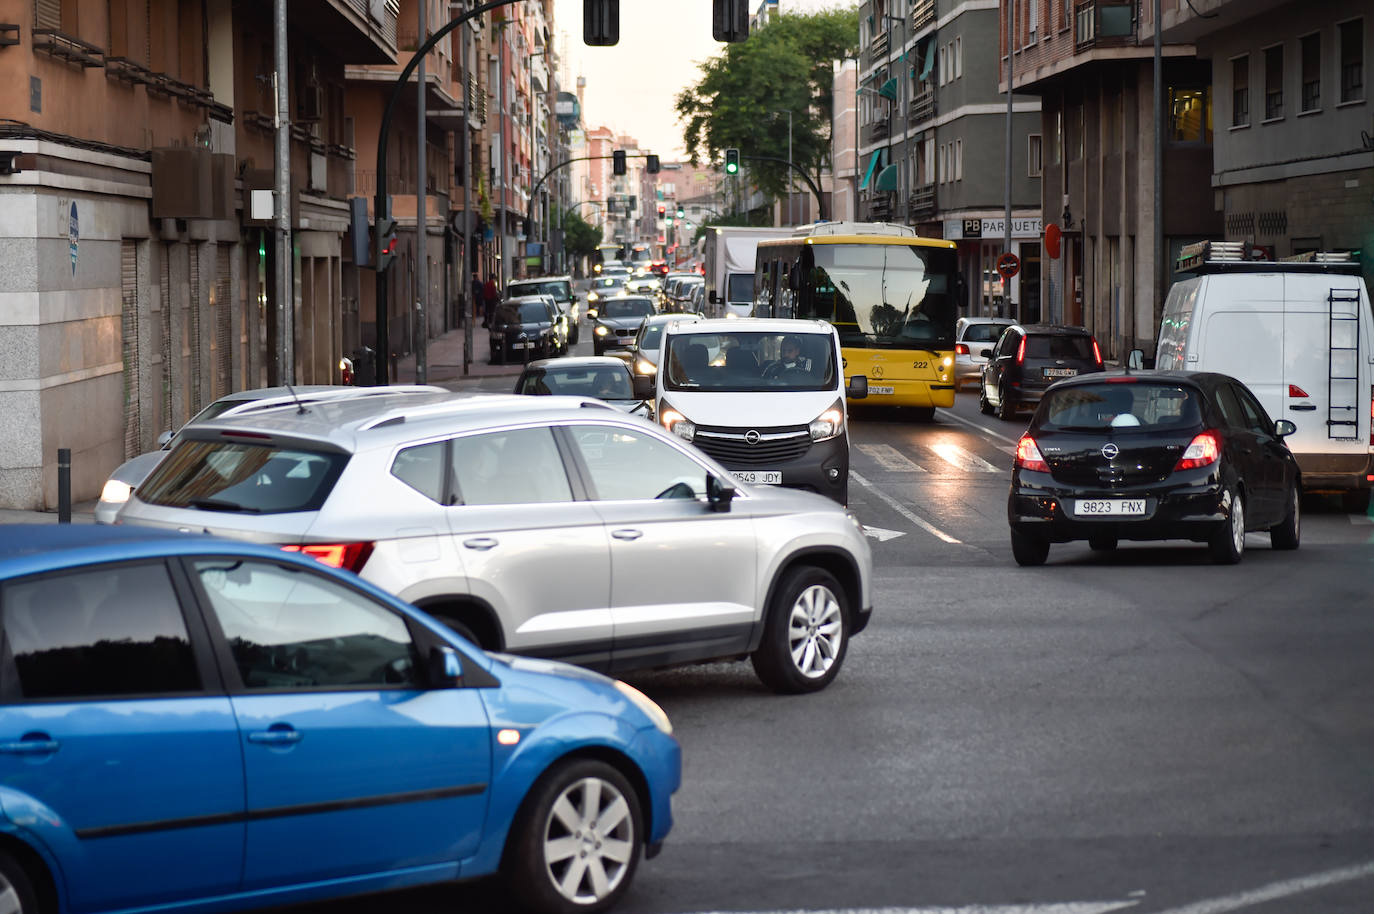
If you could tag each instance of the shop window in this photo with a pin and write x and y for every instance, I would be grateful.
(1311, 72)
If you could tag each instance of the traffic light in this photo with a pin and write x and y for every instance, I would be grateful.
(680, 211)
(652, 164)
(732, 161)
(601, 22)
(730, 20)
(384, 243)
(662, 210)
(618, 162)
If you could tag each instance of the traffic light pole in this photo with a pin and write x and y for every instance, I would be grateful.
(380, 208)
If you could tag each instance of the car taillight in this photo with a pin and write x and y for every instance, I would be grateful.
(1021, 351)
(352, 556)
(1296, 391)
(1028, 455)
(961, 348)
(1097, 354)
(1204, 450)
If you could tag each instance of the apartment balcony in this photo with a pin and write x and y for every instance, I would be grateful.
(878, 130)
(921, 108)
(921, 203)
(880, 207)
(922, 14)
(357, 31)
(1104, 23)
(877, 48)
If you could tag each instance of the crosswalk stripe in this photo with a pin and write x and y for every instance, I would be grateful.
(958, 457)
(889, 458)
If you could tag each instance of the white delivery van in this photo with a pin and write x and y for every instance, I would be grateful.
(730, 253)
(1300, 334)
(764, 397)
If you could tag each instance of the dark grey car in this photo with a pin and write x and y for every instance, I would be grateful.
(619, 320)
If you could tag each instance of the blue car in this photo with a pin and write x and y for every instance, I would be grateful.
(194, 724)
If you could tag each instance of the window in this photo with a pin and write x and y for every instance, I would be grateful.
(289, 628)
(516, 467)
(1035, 165)
(107, 631)
(1065, 15)
(1057, 139)
(626, 464)
(944, 64)
(1352, 60)
(1032, 20)
(1240, 91)
(1190, 116)
(1311, 98)
(262, 479)
(1273, 83)
(47, 14)
(944, 163)
(958, 57)
(422, 468)
(958, 160)
(1075, 133)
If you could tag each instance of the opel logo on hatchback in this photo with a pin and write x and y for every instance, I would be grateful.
(752, 436)
(1110, 450)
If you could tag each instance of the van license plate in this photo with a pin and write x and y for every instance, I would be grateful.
(759, 477)
(881, 389)
(1060, 372)
(1109, 507)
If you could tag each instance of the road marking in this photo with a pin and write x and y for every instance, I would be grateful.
(1275, 890)
(948, 414)
(1071, 907)
(1360, 519)
(955, 455)
(889, 458)
(903, 510)
(882, 535)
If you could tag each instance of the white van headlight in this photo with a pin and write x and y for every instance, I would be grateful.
(829, 423)
(677, 423)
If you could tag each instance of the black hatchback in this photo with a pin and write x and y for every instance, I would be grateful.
(526, 327)
(1152, 455)
(1028, 359)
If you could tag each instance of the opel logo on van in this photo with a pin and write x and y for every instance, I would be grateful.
(752, 436)
(1110, 450)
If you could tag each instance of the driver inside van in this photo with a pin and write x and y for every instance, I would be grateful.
(790, 358)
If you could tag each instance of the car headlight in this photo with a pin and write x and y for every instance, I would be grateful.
(677, 423)
(644, 366)
(592, 296)
(601, 330)
(647, 705)
(828, 424)
(116, 492)
(591, 314)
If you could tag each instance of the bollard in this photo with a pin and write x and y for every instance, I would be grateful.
(64, 485)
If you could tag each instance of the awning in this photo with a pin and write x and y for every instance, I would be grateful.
(930, 59)
(887, 178)
(872, 165)
(889, 89)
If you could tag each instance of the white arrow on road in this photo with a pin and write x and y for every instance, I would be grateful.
(1071, 907)
(882, 535)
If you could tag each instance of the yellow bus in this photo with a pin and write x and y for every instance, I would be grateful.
(892, 296)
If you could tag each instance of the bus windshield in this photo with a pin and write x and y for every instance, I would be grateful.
(886, 296)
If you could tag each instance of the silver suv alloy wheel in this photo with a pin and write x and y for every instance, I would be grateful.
(815, 630)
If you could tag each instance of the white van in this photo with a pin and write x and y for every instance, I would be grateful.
(1300, 334)
(764, 397)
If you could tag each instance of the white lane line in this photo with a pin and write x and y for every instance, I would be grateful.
(889, 458)
(881, 534)
(1071, 907)
(956, 456)
(903, 510)
(1276, 890)
(947, 414)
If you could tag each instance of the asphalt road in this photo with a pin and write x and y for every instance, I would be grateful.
(1138, 730)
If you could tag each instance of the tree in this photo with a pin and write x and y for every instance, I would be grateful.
(745, 92)
(579, 237)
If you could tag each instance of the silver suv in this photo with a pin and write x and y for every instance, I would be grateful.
(550, 526)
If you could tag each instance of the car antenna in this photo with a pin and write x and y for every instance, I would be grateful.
(300, 407)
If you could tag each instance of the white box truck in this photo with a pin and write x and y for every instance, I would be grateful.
(1300, 335)
(730, 253)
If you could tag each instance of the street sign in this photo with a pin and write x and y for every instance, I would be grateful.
(1008, 265)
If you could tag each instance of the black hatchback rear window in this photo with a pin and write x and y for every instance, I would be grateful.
(1059, 347)
(1135, 406)
(242, 478)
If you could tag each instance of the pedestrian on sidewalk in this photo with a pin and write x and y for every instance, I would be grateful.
(478, 296)
(491, 294)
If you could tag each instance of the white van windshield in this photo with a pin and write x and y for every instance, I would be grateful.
(748, 361)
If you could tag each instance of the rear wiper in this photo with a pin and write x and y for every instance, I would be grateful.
(216, 504)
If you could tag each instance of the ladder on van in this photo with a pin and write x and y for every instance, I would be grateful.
(1343, 365)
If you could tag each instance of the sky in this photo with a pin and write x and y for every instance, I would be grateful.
(632, 87)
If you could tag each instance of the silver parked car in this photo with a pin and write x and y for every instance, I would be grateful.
(550, 526)
(134, 470)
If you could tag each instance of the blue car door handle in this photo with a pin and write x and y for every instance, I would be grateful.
(276, 735)
(31, 744)
(481, 543)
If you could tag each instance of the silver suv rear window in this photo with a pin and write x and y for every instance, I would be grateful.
(242, 478)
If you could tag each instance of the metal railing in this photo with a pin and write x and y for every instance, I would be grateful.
(922, 14)
(922, 107)
(921, 203)
(878, 130)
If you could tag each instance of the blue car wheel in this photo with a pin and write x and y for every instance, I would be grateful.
(577, 840)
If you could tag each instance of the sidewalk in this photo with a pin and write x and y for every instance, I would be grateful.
(445, 363)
